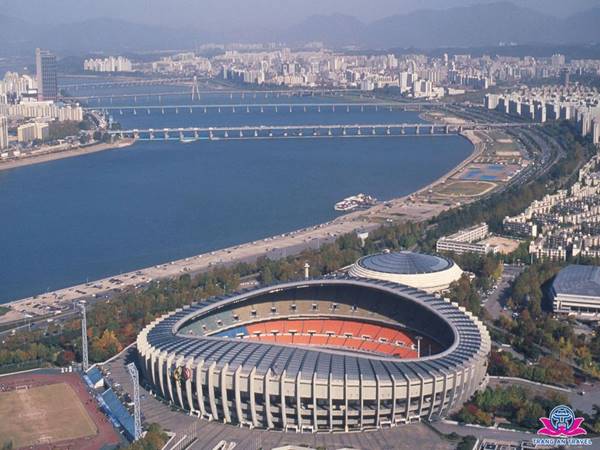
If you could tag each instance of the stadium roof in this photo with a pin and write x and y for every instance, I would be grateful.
(94, 375)
(468, 344)
(405, 263)
(119, 412)
(578, 280)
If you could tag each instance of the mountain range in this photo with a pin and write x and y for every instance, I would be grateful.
(468, 26)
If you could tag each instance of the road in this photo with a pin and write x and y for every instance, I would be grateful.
(585, 397)
(448, 427)
(494, 303)
(495, 434)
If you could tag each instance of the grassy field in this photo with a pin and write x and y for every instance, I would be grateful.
(464, 188)
(42, 415)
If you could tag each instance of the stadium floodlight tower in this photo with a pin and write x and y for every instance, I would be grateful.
(84, 340)
(137, 415)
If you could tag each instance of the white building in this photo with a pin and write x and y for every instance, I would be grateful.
(491, 101)
(110, 64)
(72, 113)
(430, 273)
(466, 241)
(16, 84)
(422, 88)
(42, 110)
(576, 291)
(32, 131)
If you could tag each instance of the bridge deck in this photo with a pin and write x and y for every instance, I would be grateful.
(297, 131)
(255, 106)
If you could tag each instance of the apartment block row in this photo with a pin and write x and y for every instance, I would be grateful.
(43, 109)
(581, 105)
(566, 223)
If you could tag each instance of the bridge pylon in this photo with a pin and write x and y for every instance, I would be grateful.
(195, 89)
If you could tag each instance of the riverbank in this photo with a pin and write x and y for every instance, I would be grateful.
(42, 156)
(413, 207)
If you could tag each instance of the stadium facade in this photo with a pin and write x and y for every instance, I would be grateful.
(334, 354)
(431, 273)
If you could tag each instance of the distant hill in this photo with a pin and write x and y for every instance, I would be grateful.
(103, 34)
(478, 25)
(118, 35)
(583, 27)
(14, 34)
(471, 26)
(462, 27)
(337, 30)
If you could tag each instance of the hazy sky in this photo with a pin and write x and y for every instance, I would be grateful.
(219, 14)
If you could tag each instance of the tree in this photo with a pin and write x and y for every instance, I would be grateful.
(467, 443)
(464, 293)
(104, 347)
(266, 277)
(155, 439)
(65, 358)
(61, 130)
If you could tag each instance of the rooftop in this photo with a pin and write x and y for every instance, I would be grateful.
(405, 263)
(417, 309)
(578, 280)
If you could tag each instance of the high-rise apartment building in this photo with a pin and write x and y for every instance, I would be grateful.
(3, 133)
(33, 131)
(45, 63)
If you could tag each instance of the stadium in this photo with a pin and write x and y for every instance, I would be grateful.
(431, 273)
(333, 354)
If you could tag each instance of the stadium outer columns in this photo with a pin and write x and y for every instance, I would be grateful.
(241, 382)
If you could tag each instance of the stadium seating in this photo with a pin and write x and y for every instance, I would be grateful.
(115, 409)
(345, 333)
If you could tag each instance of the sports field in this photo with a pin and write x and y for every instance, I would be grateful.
(43, 415)
(460, 188)
(488, 172)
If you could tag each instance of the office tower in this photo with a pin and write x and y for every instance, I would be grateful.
(3, 133)
(45, 63)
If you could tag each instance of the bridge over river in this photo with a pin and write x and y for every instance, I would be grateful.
(191, 134)
(262, 107)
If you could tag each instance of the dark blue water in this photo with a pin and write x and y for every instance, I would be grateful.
(88, 217)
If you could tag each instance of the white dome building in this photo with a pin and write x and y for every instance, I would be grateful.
(430, 273)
